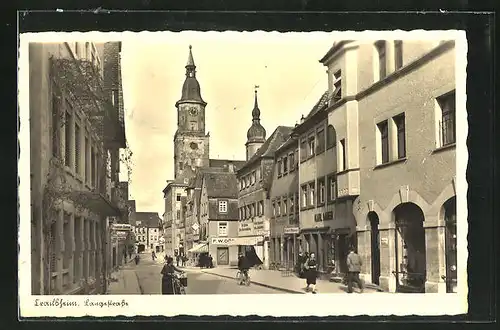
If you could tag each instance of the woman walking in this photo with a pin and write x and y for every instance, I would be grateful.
(168, 279)
(311, 272)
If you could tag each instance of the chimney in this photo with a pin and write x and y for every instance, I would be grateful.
(302, 119)
(231, 168)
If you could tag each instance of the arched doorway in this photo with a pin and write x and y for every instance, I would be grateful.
(450, 218)
(375, 246)
(410, 248)
(141, 248)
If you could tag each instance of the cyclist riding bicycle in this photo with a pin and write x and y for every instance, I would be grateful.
(243, 265)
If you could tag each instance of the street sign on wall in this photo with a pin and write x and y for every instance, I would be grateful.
(291, 230)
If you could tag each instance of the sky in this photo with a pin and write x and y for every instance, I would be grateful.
(285, 66)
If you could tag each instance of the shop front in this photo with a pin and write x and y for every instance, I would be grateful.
(253, 237)
(289, 246)
(224, 250)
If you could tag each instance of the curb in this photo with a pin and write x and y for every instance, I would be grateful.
(259, 283)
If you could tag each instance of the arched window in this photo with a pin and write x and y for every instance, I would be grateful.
(331, 137)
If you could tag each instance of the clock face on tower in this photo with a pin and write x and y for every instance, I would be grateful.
(193, 111)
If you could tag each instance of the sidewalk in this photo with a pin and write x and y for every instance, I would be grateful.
(292, 284)
(124, 281)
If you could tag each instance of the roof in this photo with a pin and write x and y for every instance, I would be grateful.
(317, 108)
(191, 87)
(335, 47)
(148, 219)
(221, 185)
(280, 134)
(224, 162)
(287, 144)
(175, 182)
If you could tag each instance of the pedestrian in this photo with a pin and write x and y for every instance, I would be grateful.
(153, 255)
(353, 269)
(130, 254)
(210, 261)
(168, 277)
(311, 266)
(137, 259)
(125, 255)
(178, 258)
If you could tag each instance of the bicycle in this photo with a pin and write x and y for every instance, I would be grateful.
(242, 279)
(180, 282)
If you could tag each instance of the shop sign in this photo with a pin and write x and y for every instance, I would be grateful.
(291, 230)
(121, 226)
(261, 228)
(246, 229)
(231, 241)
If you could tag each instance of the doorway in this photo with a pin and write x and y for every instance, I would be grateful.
(141, 248)
(375, 247)
(222, 256)
(411, 266)
(114, 257)
(450, 218)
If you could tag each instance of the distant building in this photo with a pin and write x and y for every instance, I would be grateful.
(148, 231)
(191, 152)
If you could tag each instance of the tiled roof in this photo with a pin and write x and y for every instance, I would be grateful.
(288, 143)
(221, 163)
(221, 185)
(148, 219)
(280, 134)
(323, 100)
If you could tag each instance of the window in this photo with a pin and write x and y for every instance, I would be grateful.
(303, 191)
(332, 188)
(86, 158)
(303, 149)
(292, 204)
(259, 176)
(67, 139)
(253, 210)
(311, 144)
(56, 126)
(331, 137)
(279, 167)
(398, 54)
(312, 194)
(320, 137)
(222, 228)
(384, 141)
(222, 206)
(296, 202)
(321, 191)
(278, 208)
(178, 197)
(337, 86)
(178, 214)
(78, 160)
(343, 155)
(291, 159)
(399, 121)
(285, 206)
(93, 166)
(252, 177)
(382, 71)
(274, 208)
(447, 123)
(285, 165)
(261, 208)
(181, 166)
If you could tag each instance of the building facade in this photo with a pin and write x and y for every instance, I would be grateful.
(284, 196)
(219, 216)
(73, 165)
(406, 211)
(148, 231)
(173, 219)
(254, 181)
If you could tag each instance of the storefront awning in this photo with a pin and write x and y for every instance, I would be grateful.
(199, 248)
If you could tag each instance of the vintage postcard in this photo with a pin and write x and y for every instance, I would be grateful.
(246, 173)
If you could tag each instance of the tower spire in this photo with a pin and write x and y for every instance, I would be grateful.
(190, 66)
(256, 110)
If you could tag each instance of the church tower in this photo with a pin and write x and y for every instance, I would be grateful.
(191, 143)
(256, 135)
